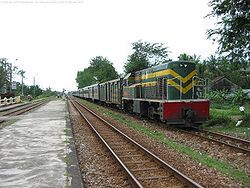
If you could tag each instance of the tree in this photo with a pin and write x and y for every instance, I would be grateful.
(21, 72)
(100, 70)
(211, 64)
(145, 55)
(6, 70)
(3, 73)
(221, 66)
(186, 57)
(233, 29)
(48, 92)
(35, 91)
(85, 78)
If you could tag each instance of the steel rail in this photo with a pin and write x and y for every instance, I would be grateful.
(21, 110)
(247, 142)
(3, 109)
(181, 177)
(205, 135)
(238, 141)
(133, 179)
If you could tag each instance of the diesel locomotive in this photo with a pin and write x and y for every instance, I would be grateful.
(170, 92)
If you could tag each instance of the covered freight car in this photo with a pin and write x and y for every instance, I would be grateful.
(94, 92)
(111, 92)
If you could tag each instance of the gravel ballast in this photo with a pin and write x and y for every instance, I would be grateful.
(204, 175)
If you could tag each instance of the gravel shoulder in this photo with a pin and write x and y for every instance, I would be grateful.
(97, 167)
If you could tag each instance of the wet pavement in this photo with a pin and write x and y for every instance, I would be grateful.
(33, 150)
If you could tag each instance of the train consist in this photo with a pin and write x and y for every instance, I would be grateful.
(171, 92)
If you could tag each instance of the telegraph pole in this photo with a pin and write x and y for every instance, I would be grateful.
(10, 69)
(34, 82)
(22, 84)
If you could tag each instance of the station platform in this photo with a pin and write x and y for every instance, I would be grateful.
(38, 150)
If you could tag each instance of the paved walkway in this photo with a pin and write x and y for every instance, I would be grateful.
(33, 150)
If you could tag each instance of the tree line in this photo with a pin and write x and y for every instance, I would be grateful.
(7, 71)
(232, 59)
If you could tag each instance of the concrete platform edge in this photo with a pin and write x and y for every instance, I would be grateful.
(74, 176)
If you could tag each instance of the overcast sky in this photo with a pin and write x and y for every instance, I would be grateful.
(53, 39)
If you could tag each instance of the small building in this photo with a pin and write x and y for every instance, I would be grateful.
(222, 83)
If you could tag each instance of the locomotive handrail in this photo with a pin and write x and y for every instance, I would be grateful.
(163, 84)
(198, 82)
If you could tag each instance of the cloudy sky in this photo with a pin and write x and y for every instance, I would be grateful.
(53, 39)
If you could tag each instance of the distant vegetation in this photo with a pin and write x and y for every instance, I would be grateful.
(7, 71)
(146, 55)
(100, 70)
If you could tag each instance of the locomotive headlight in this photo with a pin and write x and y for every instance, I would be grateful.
(183, 65)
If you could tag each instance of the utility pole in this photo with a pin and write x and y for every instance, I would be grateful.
(10, 69)
(22, 83)
(34, 81)
(22, 72)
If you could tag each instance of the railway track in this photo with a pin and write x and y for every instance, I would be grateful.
(12, 107)
(18, 110)
(143, 168)
(233, 142)
(238, 144)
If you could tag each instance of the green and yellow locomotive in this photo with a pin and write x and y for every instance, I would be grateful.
(170, 91)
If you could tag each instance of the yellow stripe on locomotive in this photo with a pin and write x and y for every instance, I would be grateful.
(171, 81)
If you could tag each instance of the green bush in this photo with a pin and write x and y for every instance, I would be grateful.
(246, 121)
(239, 97)
(224, 97)
(218, 97)
(219, 121)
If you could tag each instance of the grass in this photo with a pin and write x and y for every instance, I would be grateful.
(243, 132)
(228, 110)
(202, 158)
(224, 118)
(66, 130)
